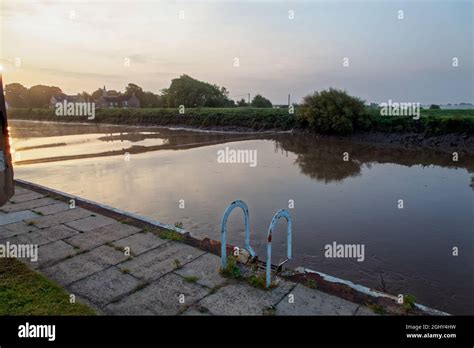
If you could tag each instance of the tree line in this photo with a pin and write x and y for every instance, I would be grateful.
(184, 90)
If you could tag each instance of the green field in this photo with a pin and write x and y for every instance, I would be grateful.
(448, 113)
(432, 122)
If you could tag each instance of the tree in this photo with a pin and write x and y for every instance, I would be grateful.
(16, 95)
(147, 99)
(86, 96)
(261, 102)
(134, 89)
(194, 93)
(97, 94)
(150, 100)
(100, 92)
(39, 96)
(112, 93)
(242, 102)
(332, 111)
(434, 107)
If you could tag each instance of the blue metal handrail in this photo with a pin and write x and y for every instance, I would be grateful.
(245, 209)
(281, 213)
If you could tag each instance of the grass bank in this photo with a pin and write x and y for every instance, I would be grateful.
(26, 292)
(252, 118)
(431, 122)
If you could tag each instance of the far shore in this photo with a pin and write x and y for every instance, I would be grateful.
(199, 120)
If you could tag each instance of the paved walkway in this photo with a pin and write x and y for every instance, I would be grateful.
(86, 253)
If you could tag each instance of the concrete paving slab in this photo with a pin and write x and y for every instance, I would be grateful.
(73, 269)
(364, 310)
(242, 299)
(157, 262)
(51, 208)
(161, 297)
(140, 242)
(100, 236)
(26, 197)
(4, 233)
(6, 219)
(60, 218)
(105, 286)
(57, 232)
(51, 253)
(314, 302)
(91, 223)
(206, 268)
(43, 236)
(131, 305)
(83, 265)
(16, 229)
(21, 191)
(108, 255)
(34, 204)
(33, 238)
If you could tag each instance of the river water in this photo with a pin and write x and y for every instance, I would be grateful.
(153, 171)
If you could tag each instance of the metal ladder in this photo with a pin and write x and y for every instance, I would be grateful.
(280, 214)
(230, 208)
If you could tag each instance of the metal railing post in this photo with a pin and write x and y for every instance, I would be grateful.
(230, 208)
(281, 213)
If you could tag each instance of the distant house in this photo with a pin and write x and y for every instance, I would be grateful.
(118, 101)
(69, 98)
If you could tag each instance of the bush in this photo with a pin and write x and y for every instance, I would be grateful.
(261, 102)
(333, 111)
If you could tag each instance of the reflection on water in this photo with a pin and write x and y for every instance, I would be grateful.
(36, 149)
(352, 201)
(313, 152)
(46, 143)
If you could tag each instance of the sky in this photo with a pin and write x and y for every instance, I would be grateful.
(274, 48)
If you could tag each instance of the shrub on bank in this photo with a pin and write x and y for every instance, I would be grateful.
(333, 111)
